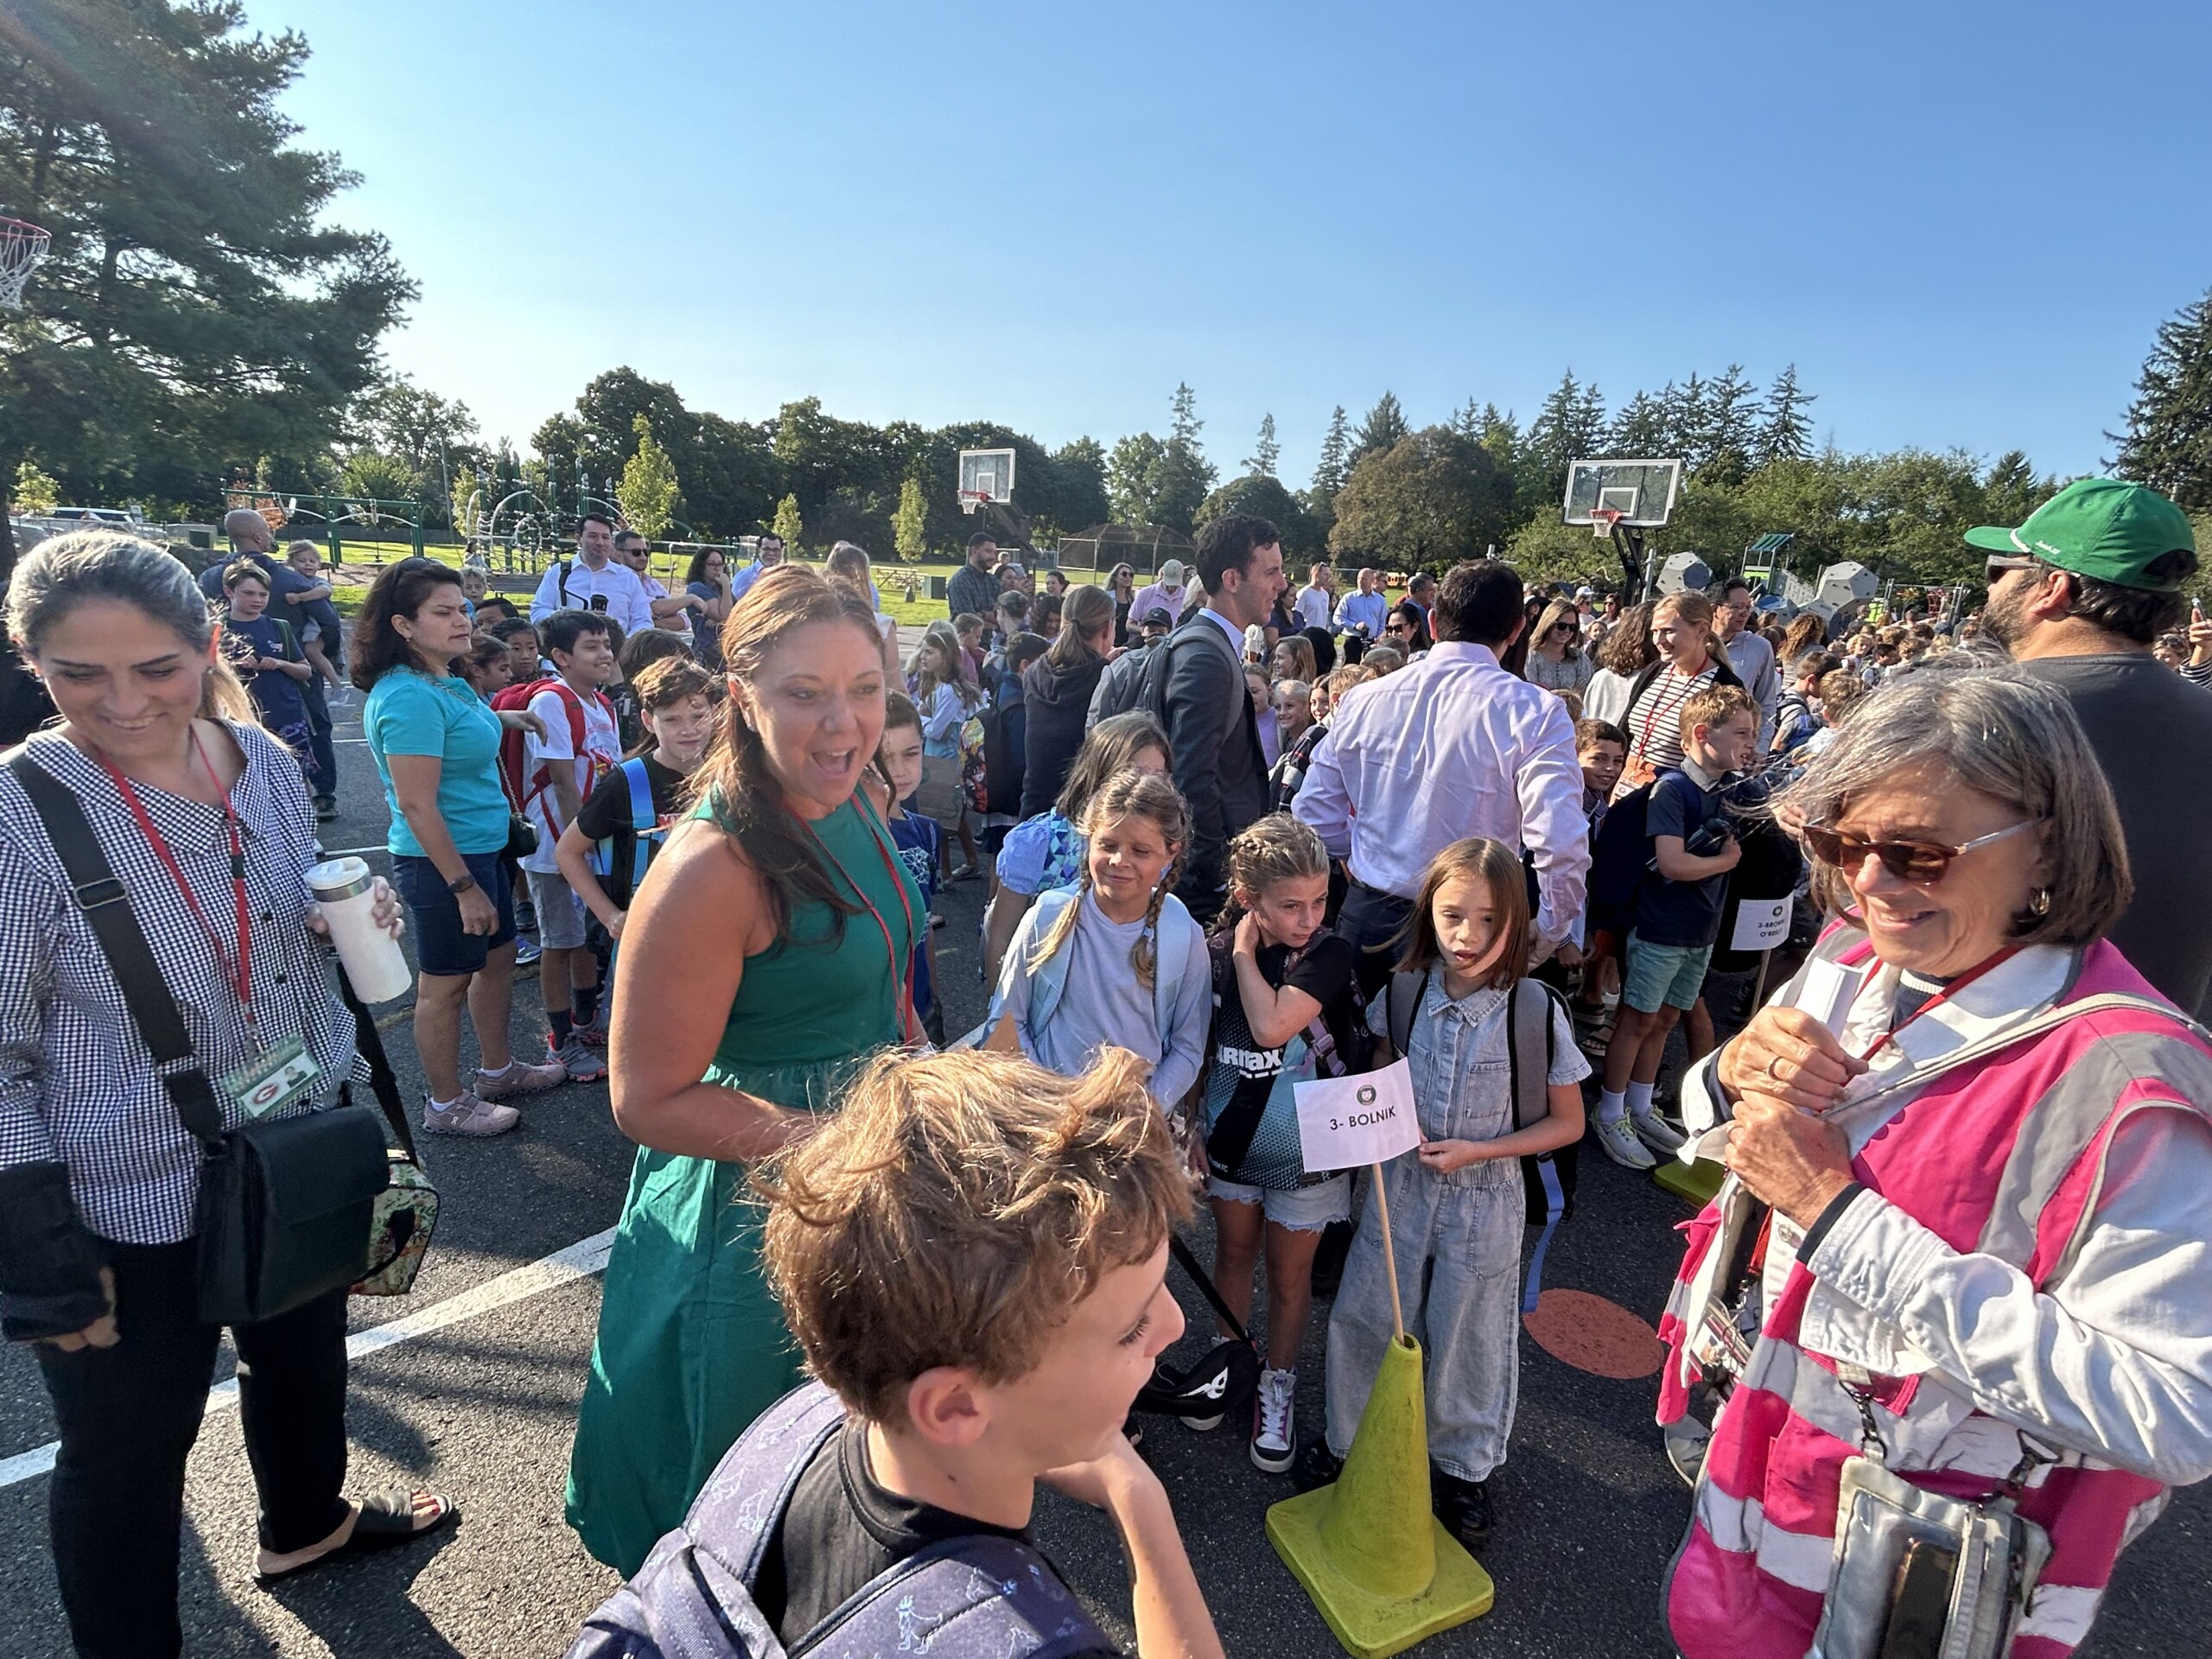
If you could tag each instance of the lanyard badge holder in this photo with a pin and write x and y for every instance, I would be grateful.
(1916, 1575)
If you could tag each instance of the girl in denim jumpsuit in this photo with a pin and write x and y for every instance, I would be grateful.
(1457, 1205)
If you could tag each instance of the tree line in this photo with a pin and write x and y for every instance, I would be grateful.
(201, 318)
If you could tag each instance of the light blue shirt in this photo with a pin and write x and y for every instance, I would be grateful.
(1358, 612)
(410, 713)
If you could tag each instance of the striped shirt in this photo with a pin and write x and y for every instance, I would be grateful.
(76, 1084)
(1655, 720)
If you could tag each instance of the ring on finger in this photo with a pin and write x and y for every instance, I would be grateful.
(1773, 1068)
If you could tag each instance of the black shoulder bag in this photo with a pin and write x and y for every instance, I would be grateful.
(285, 1206)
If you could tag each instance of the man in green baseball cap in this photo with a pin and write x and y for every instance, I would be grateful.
(2079, 594)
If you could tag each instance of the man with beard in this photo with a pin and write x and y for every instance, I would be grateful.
(767, 554)
(2079, 595)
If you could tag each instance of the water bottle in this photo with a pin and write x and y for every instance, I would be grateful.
(374, 964)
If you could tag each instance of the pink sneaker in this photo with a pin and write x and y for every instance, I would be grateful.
(469, 1116)
(519, 1078)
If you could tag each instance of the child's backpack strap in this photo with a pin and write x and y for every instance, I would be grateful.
(692, 1598)
(1532, 1045)
(1401, 1000)
(1050, 977)
(1171, 958)
(644, 820)
(981, 1597)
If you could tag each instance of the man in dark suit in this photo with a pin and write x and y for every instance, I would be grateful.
(1195, 686)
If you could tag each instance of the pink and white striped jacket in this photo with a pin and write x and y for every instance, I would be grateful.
(2030, 1255)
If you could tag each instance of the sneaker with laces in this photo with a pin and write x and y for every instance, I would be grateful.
(1316, 1467)
(519, 1078)
(469, 1115)
(1618, 1140)
(1464, 1507)
(577, 1062)
(1274, 1414)
(1656, 1133)
(594, 1035)
(527, 950)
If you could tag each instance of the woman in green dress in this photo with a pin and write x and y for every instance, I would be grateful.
(764, 961)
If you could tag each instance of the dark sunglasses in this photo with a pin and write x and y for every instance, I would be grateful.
(1995, 570)
(1923, 864)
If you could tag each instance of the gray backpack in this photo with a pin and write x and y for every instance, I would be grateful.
(982, 1596)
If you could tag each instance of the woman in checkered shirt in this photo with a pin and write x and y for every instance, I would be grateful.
(200, 815)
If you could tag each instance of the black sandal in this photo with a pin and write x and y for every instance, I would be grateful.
(386, 1520)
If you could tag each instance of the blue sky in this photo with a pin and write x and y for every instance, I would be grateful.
(1961, 222)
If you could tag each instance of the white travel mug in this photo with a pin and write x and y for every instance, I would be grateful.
(374, 964)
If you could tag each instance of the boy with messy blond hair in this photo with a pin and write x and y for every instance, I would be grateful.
(973, 1256)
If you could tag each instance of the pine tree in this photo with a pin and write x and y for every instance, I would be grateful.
(648, 490)
(1383, 429)
(1571, 426)
(1335, 464)
(2168, 442)
(1731, 409)
(1640, 429)
(788, 526)
(1184, 477)
(909, 525)
(1785, 433)
(1267, 453)
(1689, 420)
(1184, 428)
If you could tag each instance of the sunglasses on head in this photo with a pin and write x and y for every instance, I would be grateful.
(1923, 864)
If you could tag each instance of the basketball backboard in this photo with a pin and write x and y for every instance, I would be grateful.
(987, 473)
(1642, 491)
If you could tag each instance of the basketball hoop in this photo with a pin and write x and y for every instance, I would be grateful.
(971, 499)
(1603, 520)
(21, 247)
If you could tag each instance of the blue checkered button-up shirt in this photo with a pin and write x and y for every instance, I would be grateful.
(76, 1084)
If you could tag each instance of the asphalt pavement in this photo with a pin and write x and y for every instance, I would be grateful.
(482, 1404)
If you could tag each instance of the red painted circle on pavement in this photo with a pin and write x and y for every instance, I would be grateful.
(1592, 1334)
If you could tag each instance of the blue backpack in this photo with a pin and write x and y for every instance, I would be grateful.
(983, 1596)
(643, 836)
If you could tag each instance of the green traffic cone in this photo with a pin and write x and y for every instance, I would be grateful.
(1382, 1570)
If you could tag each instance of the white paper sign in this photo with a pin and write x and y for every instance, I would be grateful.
(1346, 1122)
(1761, 923)
(1828, 992)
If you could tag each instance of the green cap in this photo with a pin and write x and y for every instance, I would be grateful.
(2100, 527)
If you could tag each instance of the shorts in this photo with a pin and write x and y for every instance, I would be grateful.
(1295, 1209)
(1668, 973)
(560, 912)
(441, 948)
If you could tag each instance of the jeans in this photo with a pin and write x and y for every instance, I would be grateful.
(1370, 918)
(129, 1415)
(1458, 1243)
(319, 744)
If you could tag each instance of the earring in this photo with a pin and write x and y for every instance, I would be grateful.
(2040, 902)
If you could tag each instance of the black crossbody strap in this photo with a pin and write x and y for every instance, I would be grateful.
(1181, 1252)
(106, 906)
(368, 1042)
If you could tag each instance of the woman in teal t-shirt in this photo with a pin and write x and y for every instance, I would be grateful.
(437, 748)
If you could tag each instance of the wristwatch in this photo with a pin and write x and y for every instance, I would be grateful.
(461, 885)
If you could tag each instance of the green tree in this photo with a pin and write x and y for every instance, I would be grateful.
(1571, 426)
(1264, 497)
(649, 489)
(910, 524)
(1266, 452)
(1384, 427)
(199, 311)
(1640, 429)
(1335, 464)
(1431, 499)
(1132, 479)
(2168, 442)
(1785, 433)
(788, 525)
(34, 491)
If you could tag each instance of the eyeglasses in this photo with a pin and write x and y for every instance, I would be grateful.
(1923, 864)
(1995, 570)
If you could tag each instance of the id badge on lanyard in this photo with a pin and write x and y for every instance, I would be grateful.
(279, 1077)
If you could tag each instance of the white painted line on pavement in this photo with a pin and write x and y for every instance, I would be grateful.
(579, 1261)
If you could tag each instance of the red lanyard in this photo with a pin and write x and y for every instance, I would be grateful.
(1658, 703)
(1943, 996)
(241, 977)
(900, 977)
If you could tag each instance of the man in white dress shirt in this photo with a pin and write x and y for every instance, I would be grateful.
(1449, 746)
(573, 584)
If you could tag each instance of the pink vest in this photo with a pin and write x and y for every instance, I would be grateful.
(2001, 1155)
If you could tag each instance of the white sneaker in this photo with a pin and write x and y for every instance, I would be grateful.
(1274, 1420)
(1656, 1133)
(1620, 1144)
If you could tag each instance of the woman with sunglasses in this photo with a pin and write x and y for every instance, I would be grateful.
(1556, 659)
(1407, 627)
(1964, 1228)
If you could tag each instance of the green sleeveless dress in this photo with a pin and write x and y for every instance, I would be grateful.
(691, 1344)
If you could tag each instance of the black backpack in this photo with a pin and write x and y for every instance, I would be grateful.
(1005, 761)
(1532, 1044)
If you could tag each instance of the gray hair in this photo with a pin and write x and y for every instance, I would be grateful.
(87, 565)
(1996, 732)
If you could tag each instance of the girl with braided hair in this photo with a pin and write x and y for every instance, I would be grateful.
(1117, 960)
